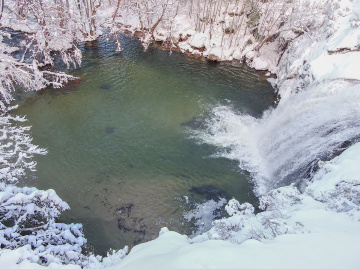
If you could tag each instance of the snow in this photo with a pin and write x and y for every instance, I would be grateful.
(18, 259)
(344, 168)
(343, 66)
(172, 250)
(199, 40)
(260, 64)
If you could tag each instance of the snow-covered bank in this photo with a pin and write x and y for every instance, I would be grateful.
(255, 32)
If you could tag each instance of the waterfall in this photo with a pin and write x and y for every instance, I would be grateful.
(285, 144)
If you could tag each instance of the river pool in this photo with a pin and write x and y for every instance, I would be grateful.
(120, 145)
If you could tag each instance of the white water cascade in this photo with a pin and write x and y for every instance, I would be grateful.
(282, 146)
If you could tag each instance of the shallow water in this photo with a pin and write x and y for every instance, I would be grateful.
(119, 141)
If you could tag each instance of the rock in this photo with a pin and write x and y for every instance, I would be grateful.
(210, 192)
(194, 123)
(213, 57)
(105, 86)
(109, 130)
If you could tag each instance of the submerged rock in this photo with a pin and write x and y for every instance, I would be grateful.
(181, 175)
(194, 123)
(125, 210)
(210, 192)
(109, 130)
(131, 224)
(102, 175)
(105, 86)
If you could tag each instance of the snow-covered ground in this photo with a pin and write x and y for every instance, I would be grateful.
(319, 84)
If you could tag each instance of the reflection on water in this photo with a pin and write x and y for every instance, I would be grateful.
(120, 151)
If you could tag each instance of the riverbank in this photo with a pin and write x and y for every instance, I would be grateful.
(255, 34)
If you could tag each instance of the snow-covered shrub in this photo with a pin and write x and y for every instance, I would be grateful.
(49, 32)
(280, 198)
(28, 215)
(235, 208)
(28, 75)
(113, 258)
(16, 148)
(345, 197)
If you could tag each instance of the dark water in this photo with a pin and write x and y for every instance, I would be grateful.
(119, 143)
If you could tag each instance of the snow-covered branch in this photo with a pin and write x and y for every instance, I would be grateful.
(28, 215)
(34, 34)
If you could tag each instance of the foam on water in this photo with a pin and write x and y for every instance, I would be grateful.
(282, 146)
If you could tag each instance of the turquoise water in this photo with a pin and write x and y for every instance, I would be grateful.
(119, 141)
